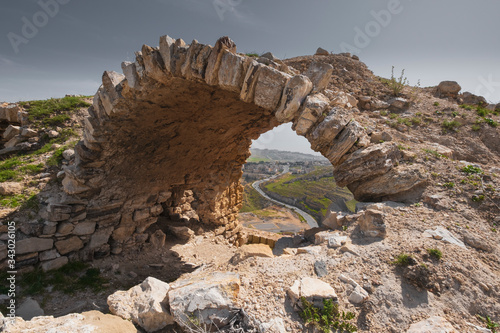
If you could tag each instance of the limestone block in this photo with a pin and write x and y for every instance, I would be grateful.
(294, 94)
(144, 304)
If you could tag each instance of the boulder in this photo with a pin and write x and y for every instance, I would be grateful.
(208, 297)
(358, 295)
(319, 73)
(91, 321)
(144, 304)
(275, 325)
(407, 184)
(252, 250)
(11, 131)
(368, 162)
(314, 291)
(321, 51)
(468, 98)
(399, 104)
(28, 132)
(371, 223)
(477, 242)
(183, 233)
(433, 324)
(332, 220)
(68, 154)
(11, 188)
(448, 89)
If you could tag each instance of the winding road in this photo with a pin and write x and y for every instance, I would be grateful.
(309, 219)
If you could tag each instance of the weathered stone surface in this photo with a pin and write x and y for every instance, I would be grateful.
(30, 245)
(153, 64)
(232, 71)
(248, 89)
(144, 304)
(183, 233)
(100, 237)
(433, 324)
(84, 228)
(69, 245)
(371, 223)
(477, 242)
(399, 104)
(158, 239)
(269, 87)
(130, 71)
(11, 131)
(294, 94)
(441, 233)
(49, 255)
(343, 100)
(92, 321)
(319, 73)
(358, 295)
(11, 188)
(252, 250)
(325, 132)
(331, 220)
(68, 154)
(314, 291)
(312, 110)
(65, 229)
(196, 61)
(367, 162)
(209, 297)
(58, 212)
(54, 264)
(215, 58)
(406, 183)
(10, 113)
(345, 140)
(448, 89)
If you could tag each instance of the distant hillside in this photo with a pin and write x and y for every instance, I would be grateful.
(268, 155)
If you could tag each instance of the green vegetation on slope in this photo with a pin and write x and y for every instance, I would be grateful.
(314, 191)
(54, 111)
(252, 200)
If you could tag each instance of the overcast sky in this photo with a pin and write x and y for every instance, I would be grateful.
(49, 51)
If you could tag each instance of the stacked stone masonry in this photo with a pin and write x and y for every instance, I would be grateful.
(170, 135)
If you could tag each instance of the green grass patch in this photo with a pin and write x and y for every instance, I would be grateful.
(54, 111)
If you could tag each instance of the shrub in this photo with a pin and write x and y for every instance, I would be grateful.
(403, 260)
(449, 184)
(452, 125)
(476, 127)
(327, 317)
(436, 103)
(397, 84)
(470, 169)
(436, 253)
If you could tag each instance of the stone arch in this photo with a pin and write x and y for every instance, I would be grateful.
(170, 135)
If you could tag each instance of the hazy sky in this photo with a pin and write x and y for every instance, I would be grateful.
(49, 48)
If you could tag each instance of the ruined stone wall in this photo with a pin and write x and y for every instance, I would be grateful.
(170, 136)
